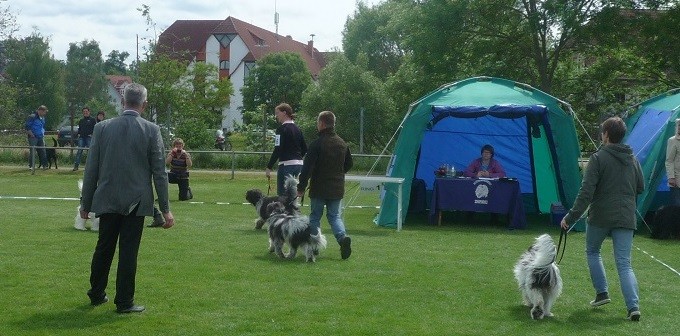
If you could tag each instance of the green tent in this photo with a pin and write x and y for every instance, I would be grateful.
(650, 124)
(532, 132)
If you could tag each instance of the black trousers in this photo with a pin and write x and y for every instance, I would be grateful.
(184, 190)
(127, 232)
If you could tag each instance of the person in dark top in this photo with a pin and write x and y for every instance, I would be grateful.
(324, 168)
(611, 183)
(85, 128)
(289, 147)
(180, 162)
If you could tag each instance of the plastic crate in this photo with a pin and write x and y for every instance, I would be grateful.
(557, 212)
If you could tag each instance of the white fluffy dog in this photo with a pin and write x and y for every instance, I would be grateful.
(79, 223)
(538, 277)
(293, 230)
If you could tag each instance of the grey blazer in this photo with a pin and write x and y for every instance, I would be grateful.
(126, 153)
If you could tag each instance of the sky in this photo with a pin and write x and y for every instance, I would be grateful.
(115, 24)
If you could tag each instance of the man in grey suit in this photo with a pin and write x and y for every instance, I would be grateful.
(125, 154)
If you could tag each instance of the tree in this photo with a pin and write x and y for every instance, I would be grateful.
(115, 63)
(371, 34)
(38, 78)
(8, 22)
(203, 95)
(277, 77)
(85, 74)
(346, 90)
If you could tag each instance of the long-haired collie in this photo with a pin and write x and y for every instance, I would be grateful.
(295, 231)
(538, 277)
(260, 201)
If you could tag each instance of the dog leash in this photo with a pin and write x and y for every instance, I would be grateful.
(563, 233)
(269, 187)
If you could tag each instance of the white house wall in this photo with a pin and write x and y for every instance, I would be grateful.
(237, 51)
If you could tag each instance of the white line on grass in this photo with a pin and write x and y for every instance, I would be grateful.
(659, 261)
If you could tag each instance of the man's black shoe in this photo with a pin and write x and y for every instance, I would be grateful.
(100, 301)
(345, 247)
(131, 309)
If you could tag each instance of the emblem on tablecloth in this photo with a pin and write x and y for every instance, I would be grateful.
(482, 191)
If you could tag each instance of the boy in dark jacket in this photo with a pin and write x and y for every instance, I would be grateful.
(324, 167)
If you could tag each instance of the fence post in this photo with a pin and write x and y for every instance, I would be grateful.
(233, 163)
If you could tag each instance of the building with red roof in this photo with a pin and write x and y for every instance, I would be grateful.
(233, 46)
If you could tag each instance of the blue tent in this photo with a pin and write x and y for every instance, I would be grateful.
(650, 125)
(533, 135)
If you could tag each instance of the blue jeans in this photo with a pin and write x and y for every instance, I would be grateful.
(334, 216)
(281, 174)
(623, 243)
(83, 142)
(39, 142)
(675, 196)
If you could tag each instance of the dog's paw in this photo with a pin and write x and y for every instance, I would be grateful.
(536, 313)
(259, 224)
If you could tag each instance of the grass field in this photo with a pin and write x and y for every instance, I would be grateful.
(211, 273)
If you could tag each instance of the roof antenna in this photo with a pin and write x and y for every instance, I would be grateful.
(276, 21)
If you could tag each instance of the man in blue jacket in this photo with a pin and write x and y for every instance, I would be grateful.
(35, 130)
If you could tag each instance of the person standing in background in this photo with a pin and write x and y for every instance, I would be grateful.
(289, 147)
(35, 130)
(85, 128)
(673, 164)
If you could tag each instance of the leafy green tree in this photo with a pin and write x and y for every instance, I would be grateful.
(37, 77)
(277, 77)
(159, 75)
(8, 21)
(346, 89)
(203, 95)
(10, 116)
(115, 63)
(372, 34)
(84, 73)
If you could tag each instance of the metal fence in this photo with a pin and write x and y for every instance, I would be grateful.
(375, 164)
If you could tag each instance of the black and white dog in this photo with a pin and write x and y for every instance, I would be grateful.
(538, 277)
(260, 201)
(293, 230)
(666, 222)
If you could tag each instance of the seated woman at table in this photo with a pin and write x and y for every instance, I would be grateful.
(485, 166)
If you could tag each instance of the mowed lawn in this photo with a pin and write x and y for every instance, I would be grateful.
(211, 274)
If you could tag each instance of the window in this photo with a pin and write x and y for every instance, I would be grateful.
(248, 67)
(224, 65)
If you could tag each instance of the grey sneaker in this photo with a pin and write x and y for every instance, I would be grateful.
(345, 247)
(634, 314)
(600, 299)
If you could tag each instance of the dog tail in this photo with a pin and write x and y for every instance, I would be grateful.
(546, 250)
(290, 192)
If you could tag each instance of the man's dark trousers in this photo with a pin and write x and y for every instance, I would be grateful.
(112, 227)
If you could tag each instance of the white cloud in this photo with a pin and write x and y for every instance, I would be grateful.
(116, 24)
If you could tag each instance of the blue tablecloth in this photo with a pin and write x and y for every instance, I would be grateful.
(480, 195)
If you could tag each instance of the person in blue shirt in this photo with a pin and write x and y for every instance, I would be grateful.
(35, 130)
